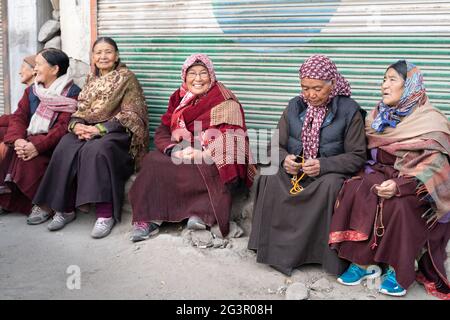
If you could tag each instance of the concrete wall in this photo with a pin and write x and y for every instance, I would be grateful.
(25, 18)
(22, 38)
(75, 29)
(76, 36)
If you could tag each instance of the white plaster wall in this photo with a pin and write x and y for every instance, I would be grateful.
(75, 29)
(22, 41)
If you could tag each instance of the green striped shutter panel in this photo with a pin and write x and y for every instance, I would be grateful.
(258, 46)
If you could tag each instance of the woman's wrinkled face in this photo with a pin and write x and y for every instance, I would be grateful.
(316, 92)
(104, 57)
(45, 73)
(392, 87)
(198, 80)
(26, 73)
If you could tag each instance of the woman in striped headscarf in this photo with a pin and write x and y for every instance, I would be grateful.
(293, 208)
(398, 210)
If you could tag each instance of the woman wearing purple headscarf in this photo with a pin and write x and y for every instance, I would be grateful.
(321, 143)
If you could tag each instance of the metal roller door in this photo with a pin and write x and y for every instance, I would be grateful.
(257, 46)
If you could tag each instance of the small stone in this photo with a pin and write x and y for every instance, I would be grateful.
(322, 285)
(219, 243)
(282, 290)
(271, 291)
(235, 231)
(56, 15)
(297, 291)
(53, 43)
(317, 295)
(48, 30)
(202, 239)
(78, 71)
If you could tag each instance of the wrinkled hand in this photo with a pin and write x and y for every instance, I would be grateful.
(85, 132)
(311, 167)
(19, 147)
(20, 143)
(290, 166)
(190, 153)
(387, 189)
(26, 151)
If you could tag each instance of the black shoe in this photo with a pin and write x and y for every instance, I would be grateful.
(4, 211)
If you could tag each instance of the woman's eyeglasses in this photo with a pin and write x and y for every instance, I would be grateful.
(193, 75)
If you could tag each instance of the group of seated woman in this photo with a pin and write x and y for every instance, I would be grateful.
(358, 207)
(355, 192)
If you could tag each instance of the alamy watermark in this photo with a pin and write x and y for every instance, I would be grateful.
(73, 281)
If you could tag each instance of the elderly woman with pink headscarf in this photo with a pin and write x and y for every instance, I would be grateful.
(202, 156)
(321, 143)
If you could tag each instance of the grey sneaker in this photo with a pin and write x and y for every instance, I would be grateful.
(38, 216)
(143, 230)
(102, 227)
(195, 223)
(60, 219)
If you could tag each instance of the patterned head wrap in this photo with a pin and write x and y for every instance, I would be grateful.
(413, 94)
(195, 59)
(202, 59)
(319, 67)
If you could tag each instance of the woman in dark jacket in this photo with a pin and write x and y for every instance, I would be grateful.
(321, 143)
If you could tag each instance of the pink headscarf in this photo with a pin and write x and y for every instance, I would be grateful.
(319, 67)
(196, 58)
(203, 59)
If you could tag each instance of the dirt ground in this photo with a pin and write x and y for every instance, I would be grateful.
(38, 264)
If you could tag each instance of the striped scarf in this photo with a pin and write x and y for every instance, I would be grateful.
(52, 101)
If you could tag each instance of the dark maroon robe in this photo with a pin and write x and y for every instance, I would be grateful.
(403, 233)
(23, 177)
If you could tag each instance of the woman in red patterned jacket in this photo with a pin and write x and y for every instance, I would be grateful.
(34, 130)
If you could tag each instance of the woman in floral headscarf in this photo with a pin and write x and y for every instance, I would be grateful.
(399, 209)
(202, 155)
(321, 143)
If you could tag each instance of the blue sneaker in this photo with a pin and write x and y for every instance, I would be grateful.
(355, 274)
(390, 285)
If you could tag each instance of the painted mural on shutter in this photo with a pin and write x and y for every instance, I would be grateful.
(258, 46)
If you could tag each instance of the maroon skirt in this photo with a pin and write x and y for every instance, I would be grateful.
(367, 230)
(170, 192)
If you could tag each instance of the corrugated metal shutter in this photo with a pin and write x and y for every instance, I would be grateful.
(2, 91)
(257, 46)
